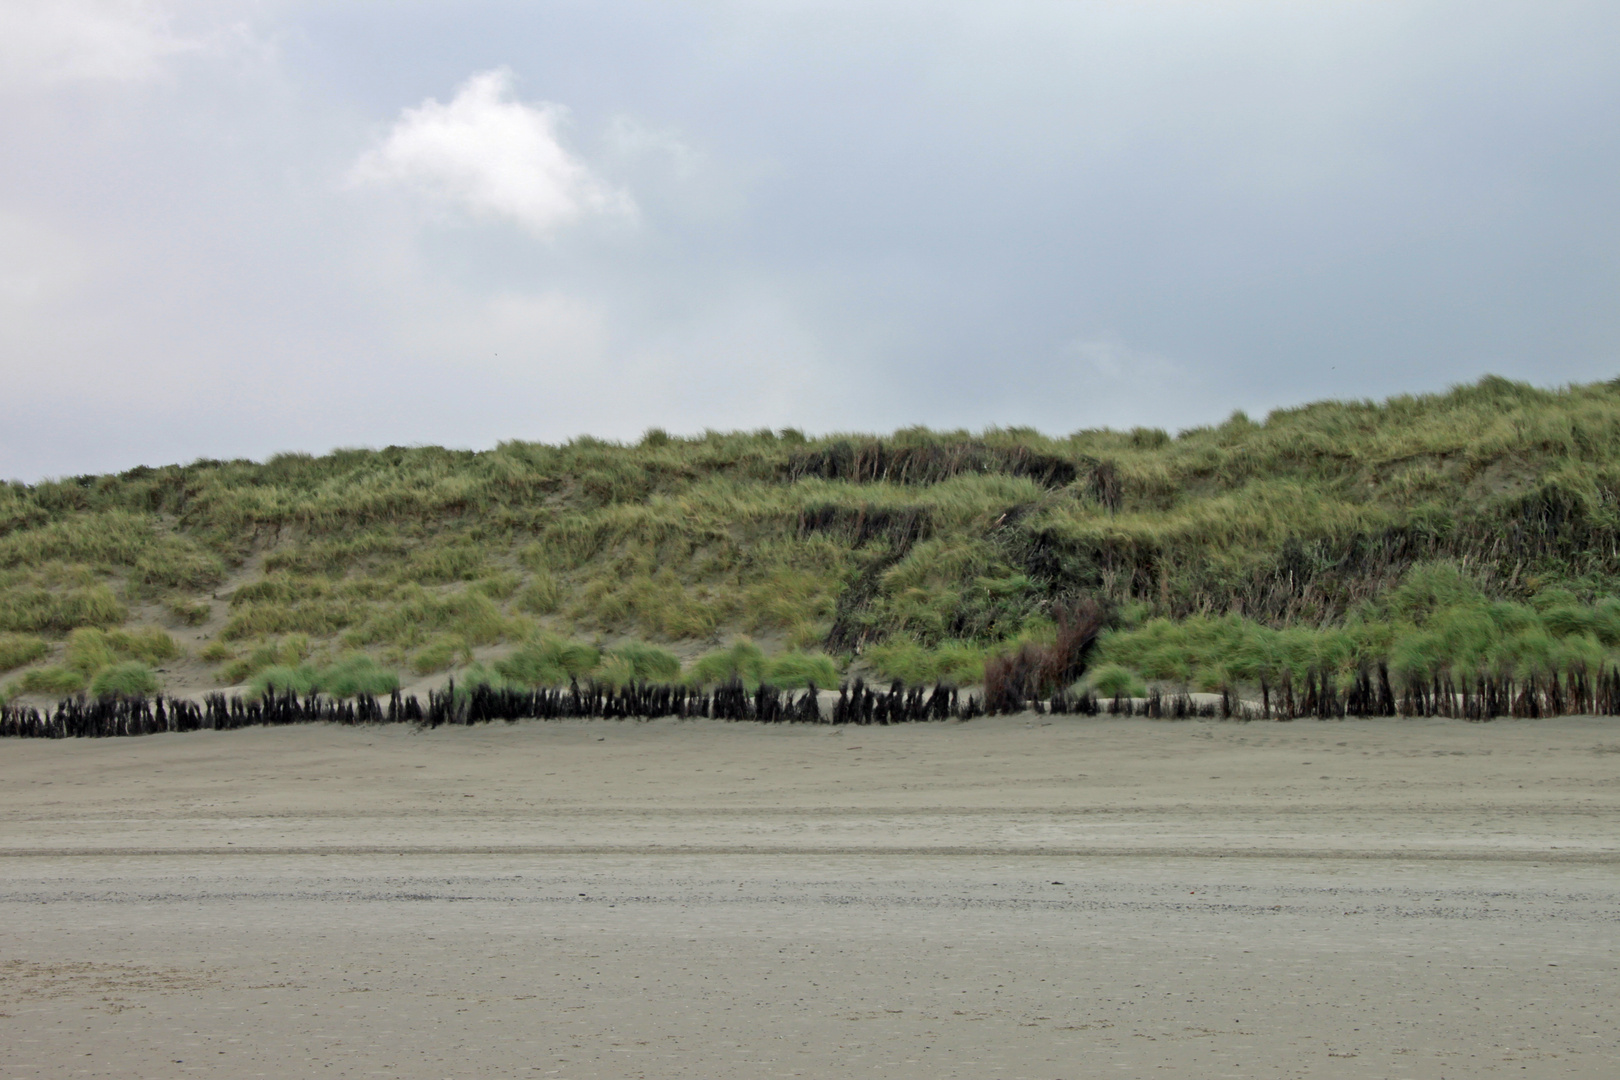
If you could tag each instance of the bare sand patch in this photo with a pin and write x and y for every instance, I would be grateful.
(1025, 896)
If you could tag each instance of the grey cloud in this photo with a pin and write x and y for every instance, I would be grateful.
(871, 215)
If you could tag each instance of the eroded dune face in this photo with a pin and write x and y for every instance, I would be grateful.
(1020, 896)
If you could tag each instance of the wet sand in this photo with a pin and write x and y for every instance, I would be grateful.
(1017, 897)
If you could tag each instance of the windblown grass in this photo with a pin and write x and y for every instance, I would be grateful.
(288, 652)
(646, 663)
(440, 653)
(957, 663)
(549, 662)
(349, 677)
(797, 670)
(56, 610)
(54, 680)
(129, 679)
(89, 649)
(19, 649)
(1435, 624)
(747, 663)
(186, 611)
(1279, 545)
(358, 674)
(1113, 681)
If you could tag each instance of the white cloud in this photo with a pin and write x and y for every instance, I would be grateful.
(492, 155)
(61, 41)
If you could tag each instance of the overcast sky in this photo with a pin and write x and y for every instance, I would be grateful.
(233, 228)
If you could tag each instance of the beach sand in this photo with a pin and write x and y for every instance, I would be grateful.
(1037, 897)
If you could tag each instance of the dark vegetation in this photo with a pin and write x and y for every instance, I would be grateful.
(112, 716)
(1463, 548)
(1042, 669)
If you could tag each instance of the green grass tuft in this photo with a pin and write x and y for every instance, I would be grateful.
(216, 652)
(188, 612)
(358, 674)
(957, 663)
(1111, 680)
(440, 653)
(798, 670)
(743, 661)
(19, 649)
(350, 676)
(89, 649)
(129, 679)
(301, 679)
(646, 663)
(47, 610)
(52, 680)
(478, 674)
(541, 595)
(456, 561)
(548, 662)
(289, 652)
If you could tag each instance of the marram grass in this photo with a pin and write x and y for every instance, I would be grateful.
(19, 649)
(1301, 542)
(348, 677)
(129, 678)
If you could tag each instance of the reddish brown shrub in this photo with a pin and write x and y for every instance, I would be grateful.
(1038, 671)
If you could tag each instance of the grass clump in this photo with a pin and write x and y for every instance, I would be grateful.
(300, 679)
(52, 680)
(542, 595)
(440, 653)
(1112, 680)
(90, 649)
(216, 652)
(351, 676)
(797, 670)
(549, 661)
(188, 612)
(175, 563)
(645, 663)
(959, 663)
(108, 662)
(499, 586)
(357, 674)
(127, 679)
(19, 649)
(477, 674)
(742, 662)
(439, 565)
(747, 663)
(416, 615)
(1436, 623)
(289, 652)
(322, 618)
(53, 610)
(657, 600)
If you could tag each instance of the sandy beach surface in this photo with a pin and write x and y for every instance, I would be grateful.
(1022, 897)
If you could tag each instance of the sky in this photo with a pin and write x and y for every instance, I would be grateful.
(235, 228)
